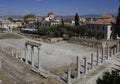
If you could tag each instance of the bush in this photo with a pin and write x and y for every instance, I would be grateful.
(2, 29)
(109, 78)
(59, 31)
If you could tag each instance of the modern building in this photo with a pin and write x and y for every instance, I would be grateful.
(106, 24)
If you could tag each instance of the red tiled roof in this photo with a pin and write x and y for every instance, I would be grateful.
(30, 19)
(106, 16)
(105, 19)
(69, 19)
(50, 13)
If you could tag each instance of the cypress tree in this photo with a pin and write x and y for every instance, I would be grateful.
(76, 20)
(117, 29)
(62, 22)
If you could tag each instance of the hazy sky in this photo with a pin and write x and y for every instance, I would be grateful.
(59, 7)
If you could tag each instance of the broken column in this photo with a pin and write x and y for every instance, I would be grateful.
(115, 50)
(12, 52)
(16, 54)
(78, 67)
(32, 56)
(97, 58)
(2, 47)
(20, 53)
(111, 52)
(39, 63)
(102, 55)
(69, 75)
(85, 65)
(92, 61)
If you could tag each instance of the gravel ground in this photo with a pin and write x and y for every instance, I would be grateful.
(5, 79)
(63, 53)
(53, 55)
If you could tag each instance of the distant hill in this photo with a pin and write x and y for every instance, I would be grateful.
(12, 16)
(91, 16)
(85, 16)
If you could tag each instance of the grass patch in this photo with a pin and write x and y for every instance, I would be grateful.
(10, 36)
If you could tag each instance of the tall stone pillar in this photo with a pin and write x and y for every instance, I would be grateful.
(26, 50)
(114, 50)
(107, 50)
(97, 58)
(32, 56)
(69, 75)
(39, 63)
(111, 52)
(102, 55)
(78, 67)
(118, 49)
(92, 61)
(118, 46)
(85, 65)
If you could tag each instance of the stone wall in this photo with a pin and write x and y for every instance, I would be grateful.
(86, 42)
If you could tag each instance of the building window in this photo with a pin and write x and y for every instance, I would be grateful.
(92, 27)
(97, 27)
(111, 28)
(103, 28)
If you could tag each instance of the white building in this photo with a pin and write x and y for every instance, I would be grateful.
(8, 25)
(104, 24)
(49, 23)
(50, 20)
(50, 16)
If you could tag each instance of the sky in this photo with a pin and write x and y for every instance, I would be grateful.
(58, 7)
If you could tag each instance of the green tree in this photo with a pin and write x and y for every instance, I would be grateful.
(62, 22)
(28, 16)
(109, 78)
(100, 35)
(11, 19)
(117, 29)
(37, 24)
(76, 20)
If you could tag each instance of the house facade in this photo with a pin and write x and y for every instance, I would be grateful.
(106, 24)
(69, 21)
(49, 23)
(50, 16)
(50, 20)
(9, 25)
